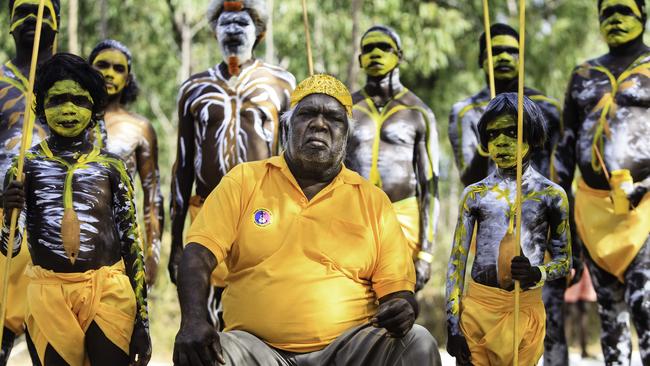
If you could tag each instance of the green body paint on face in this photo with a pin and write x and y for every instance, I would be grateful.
(49, 19)
(68, 108)
(502, 142)
(114, 66)
(505, 55)
(380, 60)
(621, 25)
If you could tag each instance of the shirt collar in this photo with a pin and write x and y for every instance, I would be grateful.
(346, 175)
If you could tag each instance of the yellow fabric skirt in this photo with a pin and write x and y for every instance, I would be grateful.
(613, 241)
(61, 307)
(408, 215)
(17, 289)
(219, 274)
(487, 321)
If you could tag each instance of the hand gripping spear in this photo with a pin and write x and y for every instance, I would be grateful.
(28, 126)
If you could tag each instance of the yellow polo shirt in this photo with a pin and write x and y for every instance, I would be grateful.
(302, 272)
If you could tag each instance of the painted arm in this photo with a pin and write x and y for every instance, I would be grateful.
(127, 228)
(147, 164)
(458, 261)
(426, 168)
(182, 181)
(13, 198)
(472, 166)
(559, 243)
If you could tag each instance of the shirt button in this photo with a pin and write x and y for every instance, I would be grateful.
(303, 201)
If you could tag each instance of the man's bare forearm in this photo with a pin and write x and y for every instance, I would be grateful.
(194, 282)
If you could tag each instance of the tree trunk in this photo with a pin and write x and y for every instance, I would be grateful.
(73, 27)
(270, 47)
(353, 68)
(103, 20)
(186, 48)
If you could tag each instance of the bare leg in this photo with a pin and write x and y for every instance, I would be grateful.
(555, 346)
(637, 296)
(52, 358)
(101, 351)
(8, 338)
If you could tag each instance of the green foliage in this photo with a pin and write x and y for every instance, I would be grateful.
(440, 40)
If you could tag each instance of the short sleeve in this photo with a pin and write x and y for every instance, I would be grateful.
(216, 225)
(394, 270)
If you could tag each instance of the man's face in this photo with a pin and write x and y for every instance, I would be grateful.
(318, 132)
(378, 54)
(505, 55)
(114, 66)
(68, 108)
(502, 141)
(236, 34)
(620, 21)
(23, 21)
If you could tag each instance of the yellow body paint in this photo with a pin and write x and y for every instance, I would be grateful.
(51, 21)
(504, 59)
(114, 67)
(618, 28)
(67, 119)
(378, 62)
(503, 148)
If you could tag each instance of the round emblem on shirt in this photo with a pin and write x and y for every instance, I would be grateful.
(262, 217)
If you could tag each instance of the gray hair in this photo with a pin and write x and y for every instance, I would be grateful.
(256, 8)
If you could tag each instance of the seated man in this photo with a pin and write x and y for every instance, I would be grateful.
(480, 325)
(310, 248)
(77, 205)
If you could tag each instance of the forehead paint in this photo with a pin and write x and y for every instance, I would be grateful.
(629, 3)
(48, 6)
(115, 79)
(503, 148)
(378, 37)
(505, 41)
(67, 118)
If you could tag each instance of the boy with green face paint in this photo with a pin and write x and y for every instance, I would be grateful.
(394, 144)
(86, 299)
(13, 87)
(480, 321)
(474, 162)
(607, 133)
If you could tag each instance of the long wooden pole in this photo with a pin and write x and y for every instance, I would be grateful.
(28, 126)
(520, 133)
(305, 19)
(488, 47)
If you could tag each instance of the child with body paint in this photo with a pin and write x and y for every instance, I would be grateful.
(480, 323)
(86, 300)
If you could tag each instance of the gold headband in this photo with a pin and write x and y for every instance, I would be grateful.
(323, 84)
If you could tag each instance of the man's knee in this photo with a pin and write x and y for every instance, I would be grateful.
(422, 346)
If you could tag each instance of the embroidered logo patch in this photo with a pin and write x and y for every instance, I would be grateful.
(262, 217)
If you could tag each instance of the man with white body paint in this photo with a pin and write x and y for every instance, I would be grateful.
(228, 114)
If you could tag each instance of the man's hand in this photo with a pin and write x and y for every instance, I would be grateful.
(13, 198)
(396, 315)
(422, 274)
(197, 344)
(523, 272)
(140, 347)
(457, 347)
(636, 195)
(151, 270)
(174, 261)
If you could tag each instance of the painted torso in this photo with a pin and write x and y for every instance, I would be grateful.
(490, 206)
(233, 123)
(383, 143)
(95, 186)
(613, 108)
(12, 107)
(126, 133)
(465, 141)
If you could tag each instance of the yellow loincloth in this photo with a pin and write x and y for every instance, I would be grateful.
(613, 241)
(487, 321)
(408, 215)
(61, 307)
(219, 274)
(17, 291)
